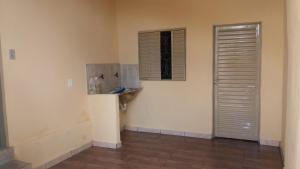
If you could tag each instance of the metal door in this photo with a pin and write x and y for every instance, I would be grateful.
(237, 81)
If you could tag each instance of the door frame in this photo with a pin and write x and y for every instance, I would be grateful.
(3, 116)
(259, 63)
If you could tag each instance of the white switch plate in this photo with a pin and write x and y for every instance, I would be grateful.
(70, 83)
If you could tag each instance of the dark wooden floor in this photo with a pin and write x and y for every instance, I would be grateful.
(154, 151)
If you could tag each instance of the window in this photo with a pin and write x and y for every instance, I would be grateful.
(162, 55)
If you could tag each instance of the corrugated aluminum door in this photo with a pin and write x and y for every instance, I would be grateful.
(237, 81)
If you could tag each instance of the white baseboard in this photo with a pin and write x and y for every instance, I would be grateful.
(65, 156)
(273, 143)
(172, 132)
(198, 135)
(169, 132)
(147, 130)
(107, 145)
(129, 128)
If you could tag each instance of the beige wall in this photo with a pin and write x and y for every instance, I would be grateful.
(54, 39)
(187, 106)
(292, 133)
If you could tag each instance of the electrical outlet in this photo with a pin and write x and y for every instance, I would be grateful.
(12, 54)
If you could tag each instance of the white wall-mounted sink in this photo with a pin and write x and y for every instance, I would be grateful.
(127, 96)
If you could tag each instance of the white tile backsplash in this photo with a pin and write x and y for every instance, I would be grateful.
(128, 76)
